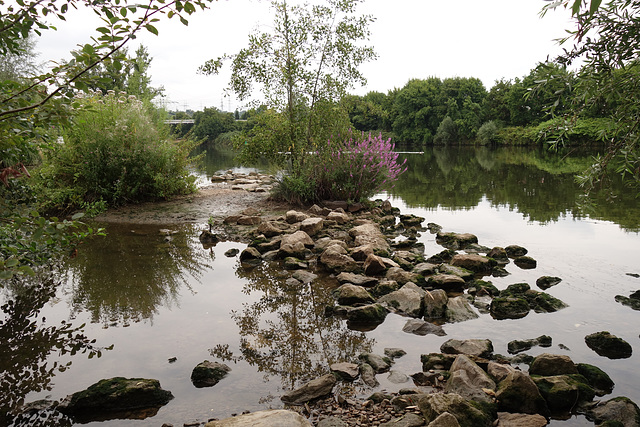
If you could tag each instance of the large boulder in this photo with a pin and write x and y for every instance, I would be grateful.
(345, 371)
(459, 310)
(312, 226)
(447, 282)
(474, 262)
(469, 380)
(379, 363)
(506, 419)
(270, 418)
(598, 379)
(357, 279)
(608, 345)
(349, 294)
(435, 304)
(564, 392)
(518, 393)
(115, 395)
(472, 347)
(407, 300)
(467, 414)
(370, 234)
(207, 373)
(618, 409)
(312, 390)
(371, 314)
(335, 258)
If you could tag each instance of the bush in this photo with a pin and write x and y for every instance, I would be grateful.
(351, 170)
(446, 132)
(114, 152)
(487, 133)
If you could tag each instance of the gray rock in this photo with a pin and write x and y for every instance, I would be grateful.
(506, 419)
(270, 418)
(408, 420)
(232, 252)
(295, 250)
(425, 269)
(312, 226)
(467, 415)
(346, 371)
(459, 310)
(472, 347)
(468, 380)
(115, 395)
(361, 253)
(407, 300)
(271, 228)
(620, 409)
(379, 363)
(374, 265)
(349, 294)
(292, 263)
(499, 254)
(552, 364)
(298, 237)
(293, 217)
(369, 234)
(401, 276)
(509, 308)
(447, 282)
(249, 220)
(367, 314)
(499, 371)
(435, 304)
(474, 262)
(518, 393)
(421, 327)
(332, 422)
(394, 353)
(461, 272)
(518, 346)
(338, 217)
(250, 254)
(335, 258)
(396, 377)
(457, 240)
(564, 392)
(598, 379)
(368, 375)
(304, 276)
(444, 420)
(317, 210)
(357, 279)
(325, 242)
(207, 374)
(312, 390)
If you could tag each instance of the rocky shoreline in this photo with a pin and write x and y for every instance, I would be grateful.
(374, 253)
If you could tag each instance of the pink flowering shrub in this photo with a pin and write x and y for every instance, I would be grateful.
(353, 169)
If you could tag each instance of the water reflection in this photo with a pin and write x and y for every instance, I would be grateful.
(535, 182)
(285, 333)
(28, 341)
(128, 275)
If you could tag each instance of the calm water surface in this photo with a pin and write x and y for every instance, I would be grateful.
(155, 299)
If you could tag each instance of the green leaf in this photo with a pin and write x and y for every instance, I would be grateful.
(595, 4)
(6, 274)
(576, 7)
(11, 262)
(77, 216)
(151, 29)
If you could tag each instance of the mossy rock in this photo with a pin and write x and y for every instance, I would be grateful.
(444, 256)
(468, 413)
(608, 345)
(598, 379)
(515, 290)
(437, 361)
(564, 392)
(509, 308)
(482, 287)
(207, 374)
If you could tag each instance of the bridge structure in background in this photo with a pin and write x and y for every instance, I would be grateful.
(179, 122)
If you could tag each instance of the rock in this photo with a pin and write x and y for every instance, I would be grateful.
(459, 310)
(633, 301)
(250, 254)
(407, 300)
(499, 254)
(293, 217)
(345, 371)
(264, 245)
(270, 418)
(467, 415)
(598, 379)
(379, 363)
(407, 420)
(468, 380)
(425, 269)
(332, 422)
(114, 395)
(540, 302)
(207, 374)
(620, 409)
(518, 393)
(335, 258)
(444, 256)
(435, 304)
(374, 265)
(421, 327)
(525, 262)
(506, 419)
(338, 217)
(444, 420)
(463, 273)
(396, 377)
(509, 308)
(357, 279)
(249, 220)
(437, 361)
(460, 240)
(312, 226)
(370, 234)
(304, 276)
(349, 294)
(394, 353)
(552, 364)
(208, 239)
(499, 371)
(564, 392)
(447, 282)
(518, 346)
(482, 288)
(399, 275)
(270, 228)
(324, 242)
(232, 252)
(312, 390)
(472, 347)
(368, 375)
(297, 237)
(232, 219)
(514, 251)
(545, 282)
(608, 345)
(372, 314)
(474, 262)
(361, 253)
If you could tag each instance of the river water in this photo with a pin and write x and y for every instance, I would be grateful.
(167, 304)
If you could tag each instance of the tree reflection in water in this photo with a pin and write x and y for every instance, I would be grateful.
(27, 343)
(285, 332)
(127, 276)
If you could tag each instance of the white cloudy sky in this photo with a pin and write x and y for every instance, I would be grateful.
(488, 39)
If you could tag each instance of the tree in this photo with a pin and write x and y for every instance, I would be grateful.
(20, 63)
(605, 43)
(211, 123)
(303, 66)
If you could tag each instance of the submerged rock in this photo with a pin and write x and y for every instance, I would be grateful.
(518, 346)
(608, 345)
(459, 310)
(545, 282)
(207, 374)
(518, 393)
(633, 301)
(598, 379)
(421, 327)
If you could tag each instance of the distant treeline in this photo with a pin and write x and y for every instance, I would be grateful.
(457, 110)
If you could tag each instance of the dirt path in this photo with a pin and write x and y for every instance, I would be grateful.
(217, 200)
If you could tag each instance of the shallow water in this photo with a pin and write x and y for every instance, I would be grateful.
(155, 299)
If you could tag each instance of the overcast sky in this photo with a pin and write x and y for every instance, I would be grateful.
(490, 40)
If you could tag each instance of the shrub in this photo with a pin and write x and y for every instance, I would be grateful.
(352, 170)
(487, 133)
(446, 132)
(114, 152)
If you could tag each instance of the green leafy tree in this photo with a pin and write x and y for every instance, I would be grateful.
(605, 43)
(303, 67)
(20, 63)
(211, 123)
